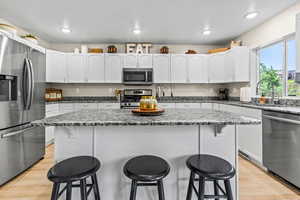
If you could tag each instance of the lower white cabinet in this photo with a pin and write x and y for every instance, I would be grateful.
(187, 105)
(66, 107)
(82, 106)
(249, 136)
(109, 105)
(166, 105)
(206, 105)
(51, 110)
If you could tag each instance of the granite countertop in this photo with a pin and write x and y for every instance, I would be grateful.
(124, 117)
(278, 108)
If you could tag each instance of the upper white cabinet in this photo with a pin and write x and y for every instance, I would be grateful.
(179, 68)
(130, 60)
(113, 68)
(145, 61)
(77, 68)
(241, 64)
(161, 68)
(96, 68)
(138, 60)
(226, 67)
(197, 68)
(56, 67)
(216, 68)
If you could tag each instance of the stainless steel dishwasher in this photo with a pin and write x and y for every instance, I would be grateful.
(281, 145)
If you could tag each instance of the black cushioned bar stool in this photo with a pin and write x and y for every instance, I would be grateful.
(147, 170)
(209, 168)
(73, 170)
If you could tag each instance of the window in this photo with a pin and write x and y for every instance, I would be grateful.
(277, 69)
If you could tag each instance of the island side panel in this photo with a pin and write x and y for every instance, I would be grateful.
(73, 141)
(224, 145)
(115, 145)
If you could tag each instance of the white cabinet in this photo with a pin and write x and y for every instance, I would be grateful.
(216, 68)
(109, 105)
(130, 60)
(82, 106)
(56, 70)
(206, 106)
(66, 108)
(161, 68)
(166, 105)
(229, 67)
(51, 110)
(113, 68)
(145, 61)
(77, 68)
(197, 68)
(96, 68)
(241, 64)
(178, 68)
(249, 136)
(187, 105)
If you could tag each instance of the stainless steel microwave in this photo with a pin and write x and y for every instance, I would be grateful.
(137, 76)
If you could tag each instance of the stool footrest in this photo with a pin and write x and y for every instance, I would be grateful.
(146, 184)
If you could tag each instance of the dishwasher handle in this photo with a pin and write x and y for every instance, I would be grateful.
(282, 119)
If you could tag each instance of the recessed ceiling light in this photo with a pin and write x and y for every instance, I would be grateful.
(65, 30)
(136, 31)
(206, 32)
(251, 15)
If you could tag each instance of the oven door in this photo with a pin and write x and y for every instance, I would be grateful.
(135, 76)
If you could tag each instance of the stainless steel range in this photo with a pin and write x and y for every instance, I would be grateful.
(131, 97)
(22, 87)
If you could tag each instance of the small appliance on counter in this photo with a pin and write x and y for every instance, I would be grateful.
(130, 98)
(137, 76)
(223, 94)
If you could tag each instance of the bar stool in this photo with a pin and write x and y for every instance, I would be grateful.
(72, 170)
(146, 170)
(209, 168)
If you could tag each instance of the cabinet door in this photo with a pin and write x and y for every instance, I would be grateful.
(96, 72)
(161, 68)
(113, 68)
(197, 69)
(130, 60)
(178, 68)
(77, 68)
(145, 61)
(55, 66)
(242, 64)
(229, 65)
(216, 68)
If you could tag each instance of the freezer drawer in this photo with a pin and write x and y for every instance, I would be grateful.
(20, 148)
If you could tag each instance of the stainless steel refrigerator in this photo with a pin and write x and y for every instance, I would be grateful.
(22, 85)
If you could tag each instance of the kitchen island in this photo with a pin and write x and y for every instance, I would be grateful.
(114, 136)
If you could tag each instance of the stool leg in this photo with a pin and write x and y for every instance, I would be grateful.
(55, 191)
(95, 187)
(133, 190)
(160, 187)
(83, 189)
(201, 190)
(228, 190)
(69, 191)
(190, 187)
(216, 189)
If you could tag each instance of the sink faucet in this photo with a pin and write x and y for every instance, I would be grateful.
(273, 90)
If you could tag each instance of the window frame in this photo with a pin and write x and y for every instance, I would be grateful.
(285, 41)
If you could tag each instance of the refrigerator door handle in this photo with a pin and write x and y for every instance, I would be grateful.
(26, 82)
(16, 132)
(32, 83)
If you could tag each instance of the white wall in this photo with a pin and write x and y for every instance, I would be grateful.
(275, 28)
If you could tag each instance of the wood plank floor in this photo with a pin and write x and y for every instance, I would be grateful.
(255, 184)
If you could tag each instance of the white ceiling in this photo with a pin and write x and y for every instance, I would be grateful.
(161, 21)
